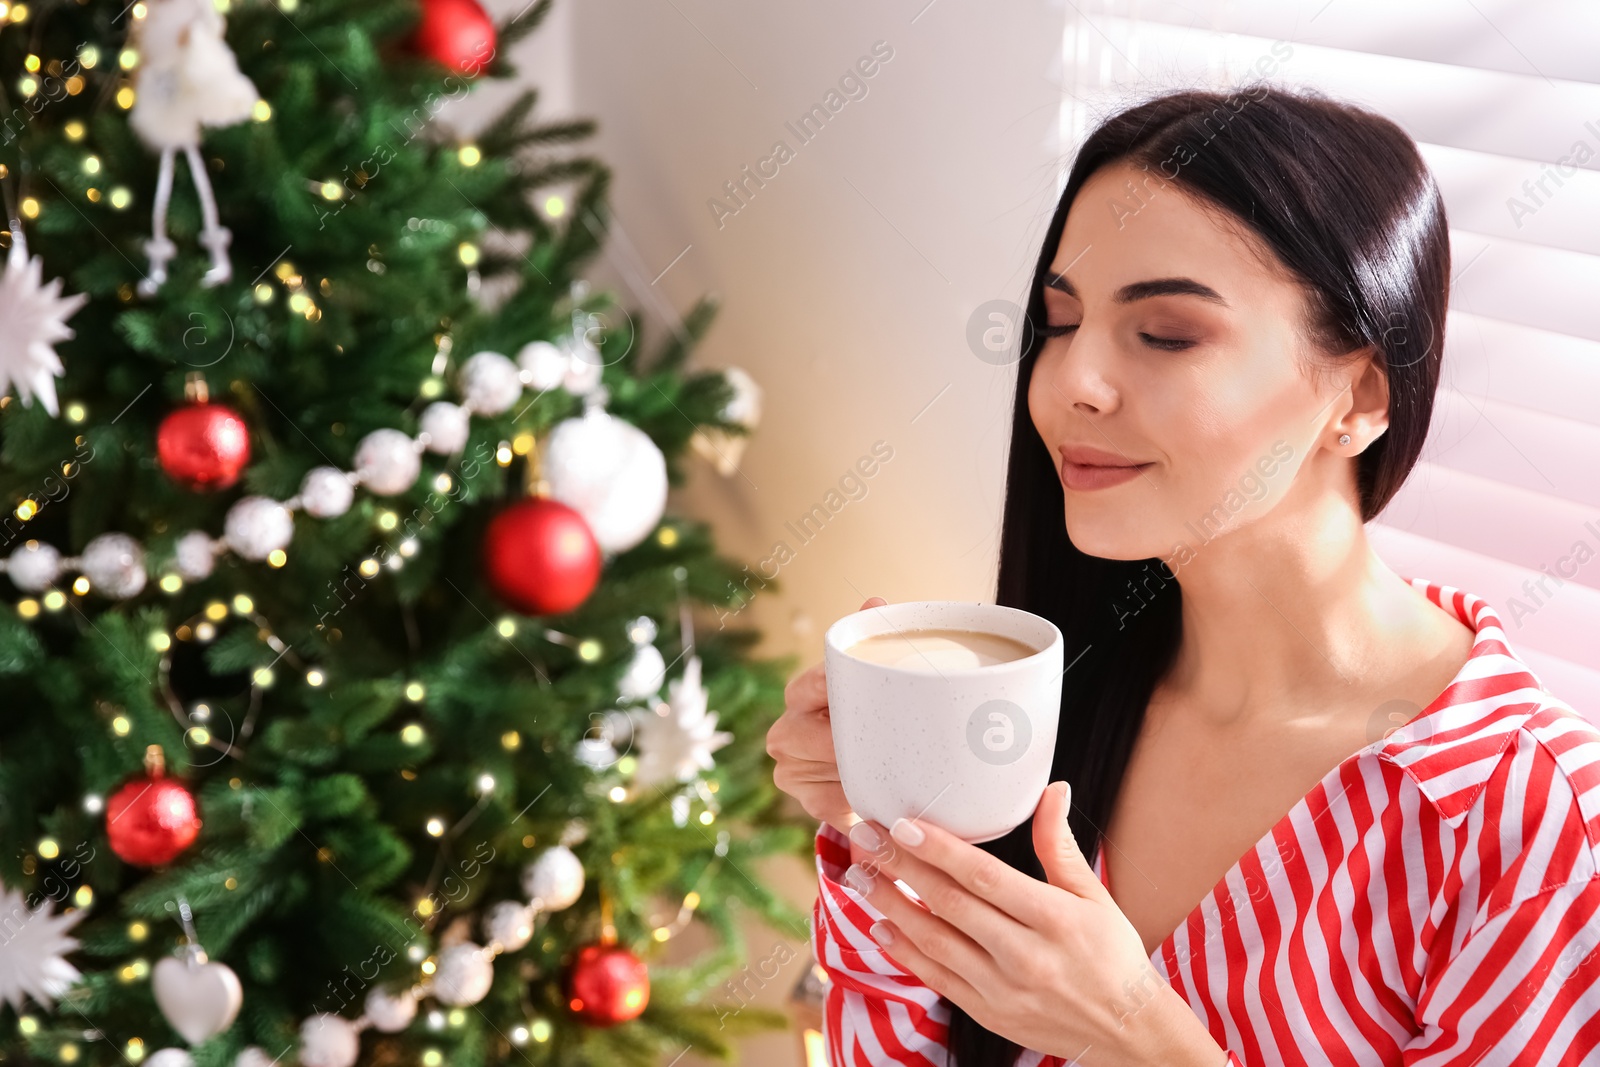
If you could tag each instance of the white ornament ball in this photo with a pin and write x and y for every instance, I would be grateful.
(387, 462)
(446, 425)
(619, 725)
(326, 492)
(509, 922)
(544, 366)
(34, 566)
(464, 975)
(611, 473)
(194, 555)
(490, 383)
(253, 1056)
(646, 674)
(584, 364)
(256, 527)
(170, 1057)
(596, 753)
(114, 565)
(555, 880)
(327, 1040)
(390, 1010)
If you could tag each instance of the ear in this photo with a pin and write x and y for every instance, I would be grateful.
(1367, 417)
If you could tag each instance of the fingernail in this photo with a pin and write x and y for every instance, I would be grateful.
(907, 832)
(881, 933)
(864, 835)
(858, 879)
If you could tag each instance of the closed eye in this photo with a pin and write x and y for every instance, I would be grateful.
(1166, 344)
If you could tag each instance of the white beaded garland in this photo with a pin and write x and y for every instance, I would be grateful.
(326, 492)
(170, 1057)
(114, 565)
(256, 527)
(490, 383)
(194, 555)
(584, 364)
(597, 753)
(326, 1040)
(510, 924)
(34, 566)
(390, 1010)
(387, 462)
(543, 365)
(464, 975)
(611, 473)
(555, 880)
(447, 426)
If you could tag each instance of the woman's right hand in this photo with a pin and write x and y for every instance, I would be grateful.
(801, 742)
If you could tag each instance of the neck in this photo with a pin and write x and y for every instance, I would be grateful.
(1295, 611)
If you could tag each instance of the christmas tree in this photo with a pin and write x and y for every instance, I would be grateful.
(353, 706)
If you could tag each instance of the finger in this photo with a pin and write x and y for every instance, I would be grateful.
(1064, 863)
(821, 800)
(988, 878)
(872, 602)
(947, 898)
(945, 959)
(802, 776)
(807, 691)
(931, 972)
(801, 735)
(811, 770)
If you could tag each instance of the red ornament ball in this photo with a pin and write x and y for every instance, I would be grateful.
(150, 820)
(607, 985)
(540, 557)
(203, 446)
(457, 33)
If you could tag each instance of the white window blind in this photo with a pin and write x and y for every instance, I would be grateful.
(1505, 502)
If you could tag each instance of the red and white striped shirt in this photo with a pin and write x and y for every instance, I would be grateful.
(1435, 900)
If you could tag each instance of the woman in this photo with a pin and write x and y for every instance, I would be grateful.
(1332, 817)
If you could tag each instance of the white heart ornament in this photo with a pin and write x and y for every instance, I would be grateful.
(200, 1000)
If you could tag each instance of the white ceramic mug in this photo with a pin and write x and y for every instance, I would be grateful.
(968, 750)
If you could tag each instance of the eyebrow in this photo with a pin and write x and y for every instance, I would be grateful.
(1146, 289)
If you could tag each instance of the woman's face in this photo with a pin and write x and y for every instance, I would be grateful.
(1174, 401)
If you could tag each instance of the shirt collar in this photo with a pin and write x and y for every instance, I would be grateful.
(1452, 746)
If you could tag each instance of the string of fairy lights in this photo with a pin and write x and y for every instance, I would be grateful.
(208, 728)
(88, 60)
(535, 1028)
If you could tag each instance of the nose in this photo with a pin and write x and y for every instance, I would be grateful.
(1079, 373)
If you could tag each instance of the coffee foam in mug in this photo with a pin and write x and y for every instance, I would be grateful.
(939, 649)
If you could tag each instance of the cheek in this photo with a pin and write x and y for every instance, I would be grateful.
(1228, 441)
(1043, 401)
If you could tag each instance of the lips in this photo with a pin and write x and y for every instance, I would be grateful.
(1084, 468)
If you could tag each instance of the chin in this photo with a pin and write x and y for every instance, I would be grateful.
(1111, 536)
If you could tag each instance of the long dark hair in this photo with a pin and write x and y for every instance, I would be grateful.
(1343, 198)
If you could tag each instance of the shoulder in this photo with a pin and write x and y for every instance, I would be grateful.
(1517, 799)
(1511, 771)
(1541, 803)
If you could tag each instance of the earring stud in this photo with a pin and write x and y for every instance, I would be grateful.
(1344, 439)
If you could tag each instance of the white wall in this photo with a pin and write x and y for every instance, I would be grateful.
(847, 281)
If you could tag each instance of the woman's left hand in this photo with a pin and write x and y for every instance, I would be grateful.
(1054, 966)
